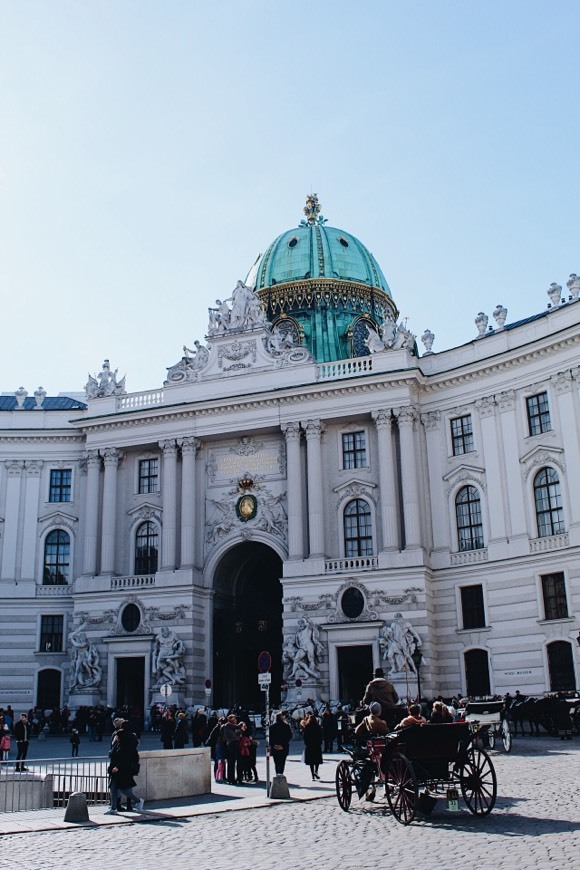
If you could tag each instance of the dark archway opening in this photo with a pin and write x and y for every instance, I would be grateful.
(48, 689)
(247, 620)
(561, 666)
(477, 673)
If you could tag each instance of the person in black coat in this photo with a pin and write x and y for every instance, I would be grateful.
(123, 767)
(280, 737)
(312, 743)
(180, 736)
(22, 735)
(167, 729)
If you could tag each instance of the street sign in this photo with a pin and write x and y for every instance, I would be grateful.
(208, 684)
(264, 662)
(165, 690)
(264, 679)
(207, 692)
(298, 683)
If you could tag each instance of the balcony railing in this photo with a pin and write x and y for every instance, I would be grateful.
(145, 399)
(56, 590)
(469, 557)
(357, 563)
(347, 368)
(139, 581)
(551, 542)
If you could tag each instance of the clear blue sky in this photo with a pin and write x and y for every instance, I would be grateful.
(150, 150)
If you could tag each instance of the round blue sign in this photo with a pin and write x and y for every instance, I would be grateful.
(264, 662)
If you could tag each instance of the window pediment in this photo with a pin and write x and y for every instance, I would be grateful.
(465, 474)
(56, 518)
(542, 455)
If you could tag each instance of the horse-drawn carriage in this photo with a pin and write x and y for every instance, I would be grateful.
(416, 766)
(487, 719)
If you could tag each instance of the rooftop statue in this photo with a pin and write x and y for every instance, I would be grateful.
(246, 311)
(394, 337)
(105, 383)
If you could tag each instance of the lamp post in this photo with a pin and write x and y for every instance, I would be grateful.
(417, 657)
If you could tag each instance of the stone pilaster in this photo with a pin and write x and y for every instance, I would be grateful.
(294, 487)
(14, 469)
(31, 504)
(314, 430)
(407, 418)
(387, 481)
(93, 461)
(111, 458)
(189, 449)
(168, 486)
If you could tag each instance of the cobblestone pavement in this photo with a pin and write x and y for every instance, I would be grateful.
(535, 824)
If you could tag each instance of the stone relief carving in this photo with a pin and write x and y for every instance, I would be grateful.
(270, 515)
(506, 400)
(354, 489)
(465, 475)
(367, 612)
(167, 662)
(431, 420)
(58, 520)
(398, 641)
(393, 336)
(376, 599)
(486, 406)
(188, 368)
(145, 512)
(85, 669)
(238, 355)
(303, 651)
(562, 382)
(148, 615)
(105, 383)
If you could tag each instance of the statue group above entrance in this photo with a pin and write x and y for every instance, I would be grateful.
(398, 642)
(303, 651)
(167, 662)
(246, 312)
(85, 669)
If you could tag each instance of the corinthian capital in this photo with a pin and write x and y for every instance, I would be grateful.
(406, 416)
(431, 420)
(314, 429)
(111, 456)
(382, 418)
(169, 448)
(189, 445)
(486, 406)
(291, 431)
(92, 458)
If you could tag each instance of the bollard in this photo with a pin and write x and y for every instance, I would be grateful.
(279, 788)
(76, 808)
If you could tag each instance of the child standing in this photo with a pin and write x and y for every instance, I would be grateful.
(75, 741)
(5, 743)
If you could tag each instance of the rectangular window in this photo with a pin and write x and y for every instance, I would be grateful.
(462, 435)
(554, 592)
(51, 633)
(538, 414)
(472, 606)
(60, 484)
(354, 451)
(148, 475)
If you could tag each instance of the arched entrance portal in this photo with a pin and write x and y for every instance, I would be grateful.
(247, 619)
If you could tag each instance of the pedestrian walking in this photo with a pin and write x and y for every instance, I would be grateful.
(75, 743)
(123, 767)
(329, 729)
(22, 734)
(180, 735)
(280, 737)
(167, 729)
(312, 743)
(231, 735)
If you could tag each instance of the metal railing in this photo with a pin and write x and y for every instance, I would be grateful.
(49, 783)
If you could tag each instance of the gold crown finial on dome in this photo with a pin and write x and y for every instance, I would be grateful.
(312, 208)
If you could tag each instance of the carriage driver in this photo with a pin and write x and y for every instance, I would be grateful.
(381, 690)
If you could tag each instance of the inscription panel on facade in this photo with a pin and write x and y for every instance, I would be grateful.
(247, 456)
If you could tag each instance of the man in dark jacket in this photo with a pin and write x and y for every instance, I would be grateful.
(123, 767)
(280, 737)
(22, 734)
(381, 690)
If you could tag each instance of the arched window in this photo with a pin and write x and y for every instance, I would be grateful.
(56, 558)
(358, 532)
(561, 667)
(146, 549)
(468, 513)
(548, 499)
(477, 673)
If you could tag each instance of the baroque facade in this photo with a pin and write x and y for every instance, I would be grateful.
(306, 483)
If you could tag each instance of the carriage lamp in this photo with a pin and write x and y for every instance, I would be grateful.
(417, 657)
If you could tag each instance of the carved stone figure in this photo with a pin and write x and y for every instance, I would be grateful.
(167, 663)
(271, 515)
(499, 315)
(388, 331)
(304, 650)
(200, 355)
(85, 669)
(280, 340)
(221, 525)
(573, 285)
(481, 322)
(373, 341)
(246, 311)
(105, 383)
(398, 642)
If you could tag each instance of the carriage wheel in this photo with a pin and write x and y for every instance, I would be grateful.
(506, 735)
(491, 738)
(478, 781)
(401, 788)
(344, 785)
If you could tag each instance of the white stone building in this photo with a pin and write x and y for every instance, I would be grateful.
(307, 484)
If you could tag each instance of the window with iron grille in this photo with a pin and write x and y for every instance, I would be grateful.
(51, 633)
(538, 414)
(148, 476)
(468, 513)
(354, 451)
(146, 549)
(554, 593)
(60, 484)
(358, 533)
(472, 609)
(462, 435)
(56, 558)
(548, 499)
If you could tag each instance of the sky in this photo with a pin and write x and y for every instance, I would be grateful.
(150, 149)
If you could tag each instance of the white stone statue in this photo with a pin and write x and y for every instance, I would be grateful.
(200, 355)
(398, 642)
(573, 285)
(85, 669)
(105, 383)
(271, 515)
(167, 663)
(240, 300)
(304, 650)
(246, 311)
(481, 322)
(499, 315)
(221, 525)
(219, 318)
(373, 340)
(388, 331)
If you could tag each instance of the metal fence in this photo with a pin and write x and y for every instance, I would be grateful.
(49, 783)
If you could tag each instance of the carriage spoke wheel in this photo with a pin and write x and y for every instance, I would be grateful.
(401, 788)
(478, 782)
(506, 735)
(344, 785)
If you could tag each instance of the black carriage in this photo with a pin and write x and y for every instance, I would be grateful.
(487, 720)
(418, 765)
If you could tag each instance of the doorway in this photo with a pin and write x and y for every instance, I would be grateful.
(561, 667)
(355, 669)
(477, 673)
(48, 689)
(247, 620)
(131, 682)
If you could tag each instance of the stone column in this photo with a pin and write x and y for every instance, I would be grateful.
(111, 458)
(569, 415)
(387, 481)
(29, 536)
(407, 417)
(516, 524)
(92, 513)
(439, 511)
(294, 487)
(189, 447)
(14, 472)
(168, 483)
(493, 475)
(314, 430)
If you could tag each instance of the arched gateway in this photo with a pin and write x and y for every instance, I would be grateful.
(247, 619)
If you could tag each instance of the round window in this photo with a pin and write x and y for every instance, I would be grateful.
(343, 242)
(131, 617)
(352, 602)
(293, 242)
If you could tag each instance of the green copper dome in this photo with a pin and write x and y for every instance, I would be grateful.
(325, 281)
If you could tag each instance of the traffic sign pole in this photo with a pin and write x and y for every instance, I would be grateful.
(268, 739)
